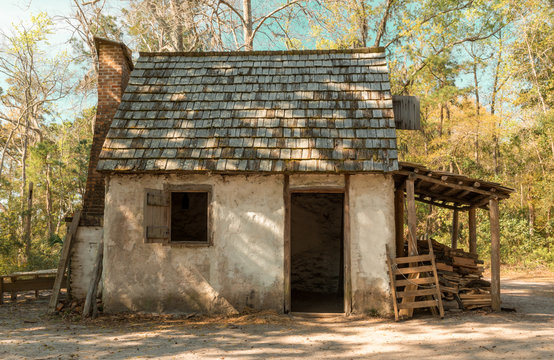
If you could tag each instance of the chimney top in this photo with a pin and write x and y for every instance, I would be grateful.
(98, 41)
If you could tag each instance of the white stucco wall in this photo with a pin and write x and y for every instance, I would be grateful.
(300, 181)
(83, 254)
(371, 227)
(244, 267)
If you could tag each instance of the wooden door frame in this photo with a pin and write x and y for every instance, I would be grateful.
(287, 197)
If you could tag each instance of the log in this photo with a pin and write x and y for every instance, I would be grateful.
(64, 260)
(96, 275)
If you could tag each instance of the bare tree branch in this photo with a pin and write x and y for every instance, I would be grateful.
(264, 18)
(449, 46)
(383, 24)
(232, 8)
(429, 18)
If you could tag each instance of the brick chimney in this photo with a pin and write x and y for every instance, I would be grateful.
(114, 67)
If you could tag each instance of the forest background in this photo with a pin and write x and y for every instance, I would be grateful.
(483, 70)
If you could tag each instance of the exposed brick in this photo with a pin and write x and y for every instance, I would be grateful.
(114, 68)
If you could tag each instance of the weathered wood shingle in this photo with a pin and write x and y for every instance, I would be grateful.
(301, 111)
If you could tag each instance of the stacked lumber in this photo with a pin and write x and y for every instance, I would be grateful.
(460, 276)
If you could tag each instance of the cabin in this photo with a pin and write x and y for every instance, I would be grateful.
(221, 181)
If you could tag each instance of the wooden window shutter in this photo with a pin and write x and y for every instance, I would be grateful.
(156, 216)
(406, 112)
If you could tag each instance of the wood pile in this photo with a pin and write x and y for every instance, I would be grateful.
(460, 276)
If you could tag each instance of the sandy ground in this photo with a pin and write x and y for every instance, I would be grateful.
(528, 333)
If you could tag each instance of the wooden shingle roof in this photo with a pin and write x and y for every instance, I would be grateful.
(294, 111)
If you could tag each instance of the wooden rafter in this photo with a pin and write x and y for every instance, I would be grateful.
(443, 182)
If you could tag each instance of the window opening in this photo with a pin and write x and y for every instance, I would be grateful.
(189, 217)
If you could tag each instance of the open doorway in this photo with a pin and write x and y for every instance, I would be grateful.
(317, 262)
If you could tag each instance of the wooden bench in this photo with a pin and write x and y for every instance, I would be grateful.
(26, 281)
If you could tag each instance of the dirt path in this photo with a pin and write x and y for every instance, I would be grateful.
(25, 333)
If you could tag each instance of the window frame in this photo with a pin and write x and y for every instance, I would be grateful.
(198, 188)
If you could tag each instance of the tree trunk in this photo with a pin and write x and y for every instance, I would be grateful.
(534, 70)
(531, 214)
(177, 26)
(442, 120)
(24, 165)
(49, 202)
(448, 119)
(382, 25)
(455, 230)
(496, 149)
(477, 112)
(429, 221)
(247, 26)
(5, 149)
(28, 214)
(362, 26)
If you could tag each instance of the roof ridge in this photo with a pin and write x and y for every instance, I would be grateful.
(365, 50)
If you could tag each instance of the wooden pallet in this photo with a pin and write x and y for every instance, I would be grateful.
(414, 284)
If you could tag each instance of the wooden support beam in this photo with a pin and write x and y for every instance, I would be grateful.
(13, 294)
(392, 285)
(36, 291)
(399, 220)
(64, 260)
(443, 181)
(455, 229)
(472, 231)
(412, 217)
(440, 204)
(483, 202)
(451, 192)
(434, 187)
(440, 197)
(90, 300)
(495, 254)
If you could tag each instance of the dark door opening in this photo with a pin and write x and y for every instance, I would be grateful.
(317, 267)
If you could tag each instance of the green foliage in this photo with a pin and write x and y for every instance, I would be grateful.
(443, 51)
(64, 154)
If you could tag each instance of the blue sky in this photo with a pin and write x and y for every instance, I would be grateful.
(15, 11)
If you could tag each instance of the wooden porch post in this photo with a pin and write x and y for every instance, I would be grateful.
(412, 218)
(455, 229)
(399, 220)
(495, 254)
(472, 231)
